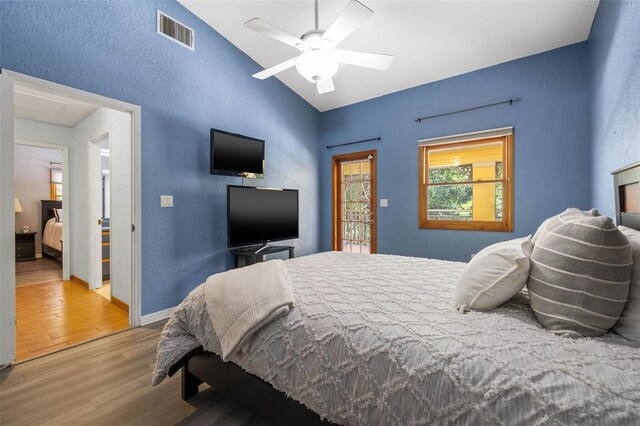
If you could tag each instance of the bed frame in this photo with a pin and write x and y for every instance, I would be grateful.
(253, 394)
(626, 182)
(274, 407)
(47, 207)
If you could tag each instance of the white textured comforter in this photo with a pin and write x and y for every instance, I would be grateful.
(53, 234)
(375, 339)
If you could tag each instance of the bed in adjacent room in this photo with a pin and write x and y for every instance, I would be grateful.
(52, 226)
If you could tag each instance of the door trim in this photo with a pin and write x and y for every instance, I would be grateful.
(335, 208)
(135, 311)
(7, 225)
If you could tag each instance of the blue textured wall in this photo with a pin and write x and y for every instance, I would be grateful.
(614, 56)
(552, 153)
(111, 48)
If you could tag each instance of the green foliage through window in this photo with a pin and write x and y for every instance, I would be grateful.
(450, 202)
(462, 173)
(455, 202)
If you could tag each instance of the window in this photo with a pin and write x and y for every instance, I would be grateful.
(56, 184)
(466, 182)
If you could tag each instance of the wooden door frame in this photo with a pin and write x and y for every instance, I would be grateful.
(335, 208)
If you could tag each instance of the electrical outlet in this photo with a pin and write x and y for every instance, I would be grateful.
(166, 201)
(384, 202)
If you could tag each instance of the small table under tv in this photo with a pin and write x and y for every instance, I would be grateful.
(246, 256)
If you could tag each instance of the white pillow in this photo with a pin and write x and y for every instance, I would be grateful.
(494, 275)
(628, 325)
(58, 214)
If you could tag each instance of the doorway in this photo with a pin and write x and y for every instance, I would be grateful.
(76, 312)
(354, 202)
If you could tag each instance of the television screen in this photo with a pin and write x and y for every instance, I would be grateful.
(236, 155)
(260, 215)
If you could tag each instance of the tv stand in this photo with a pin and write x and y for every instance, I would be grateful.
(246, 256)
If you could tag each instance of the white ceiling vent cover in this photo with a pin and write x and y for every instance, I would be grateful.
(176, 31)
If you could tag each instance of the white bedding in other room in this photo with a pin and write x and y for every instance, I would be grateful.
(53, 234)
(376, 340)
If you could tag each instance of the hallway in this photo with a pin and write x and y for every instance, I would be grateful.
(57, 314)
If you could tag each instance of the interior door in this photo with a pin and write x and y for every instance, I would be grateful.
(354, 202)
(7, 225)
(96, 210)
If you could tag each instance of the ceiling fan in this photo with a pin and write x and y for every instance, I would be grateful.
(319, 58)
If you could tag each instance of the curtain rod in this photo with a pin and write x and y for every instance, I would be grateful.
(509, 101)
(351, 143)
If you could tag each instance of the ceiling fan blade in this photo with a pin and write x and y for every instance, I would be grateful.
(325, 86)
(257, 24)
(377, 61)
(354, 15)
(275, 69)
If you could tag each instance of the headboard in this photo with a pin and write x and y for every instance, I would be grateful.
(626, 183)
(47, 207)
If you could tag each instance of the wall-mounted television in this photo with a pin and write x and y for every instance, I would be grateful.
(236, 155)
(260, 215)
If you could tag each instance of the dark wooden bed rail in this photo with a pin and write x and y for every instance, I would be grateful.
(256, 396)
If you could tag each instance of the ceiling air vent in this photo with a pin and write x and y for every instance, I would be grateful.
(174, 30)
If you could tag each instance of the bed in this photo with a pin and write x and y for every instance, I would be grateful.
(51, 229)
(376, 339)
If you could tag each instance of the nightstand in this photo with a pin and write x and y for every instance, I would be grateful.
(25, 246)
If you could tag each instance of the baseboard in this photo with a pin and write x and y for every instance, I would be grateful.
(79, 281)
(157, 316)
(119, 303)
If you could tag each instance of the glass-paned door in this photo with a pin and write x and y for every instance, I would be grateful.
(355, 203)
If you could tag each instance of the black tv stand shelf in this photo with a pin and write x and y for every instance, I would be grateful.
(246, 256)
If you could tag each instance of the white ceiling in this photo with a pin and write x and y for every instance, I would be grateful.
(431, 40)
(38, 105)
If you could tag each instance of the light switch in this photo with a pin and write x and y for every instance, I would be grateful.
(384, 202)
(166, 201)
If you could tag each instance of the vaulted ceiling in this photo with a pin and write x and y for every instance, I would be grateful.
(431, 40)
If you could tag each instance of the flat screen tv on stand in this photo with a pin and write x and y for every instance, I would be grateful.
(257, 216)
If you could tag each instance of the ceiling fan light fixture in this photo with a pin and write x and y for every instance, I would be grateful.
(319, 58)
(317, 65)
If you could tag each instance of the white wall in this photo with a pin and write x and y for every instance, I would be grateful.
(30, 174)
(32, 184)
(118, 125)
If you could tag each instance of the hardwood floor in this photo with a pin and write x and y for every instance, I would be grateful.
(105, 290)
(108, 382)
(37, 271)
(55, 315)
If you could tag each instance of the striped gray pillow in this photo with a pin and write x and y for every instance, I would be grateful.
(571, 212)
(580, 273)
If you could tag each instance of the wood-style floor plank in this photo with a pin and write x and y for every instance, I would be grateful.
(43, 269)
(54, 315)
(108, 382)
